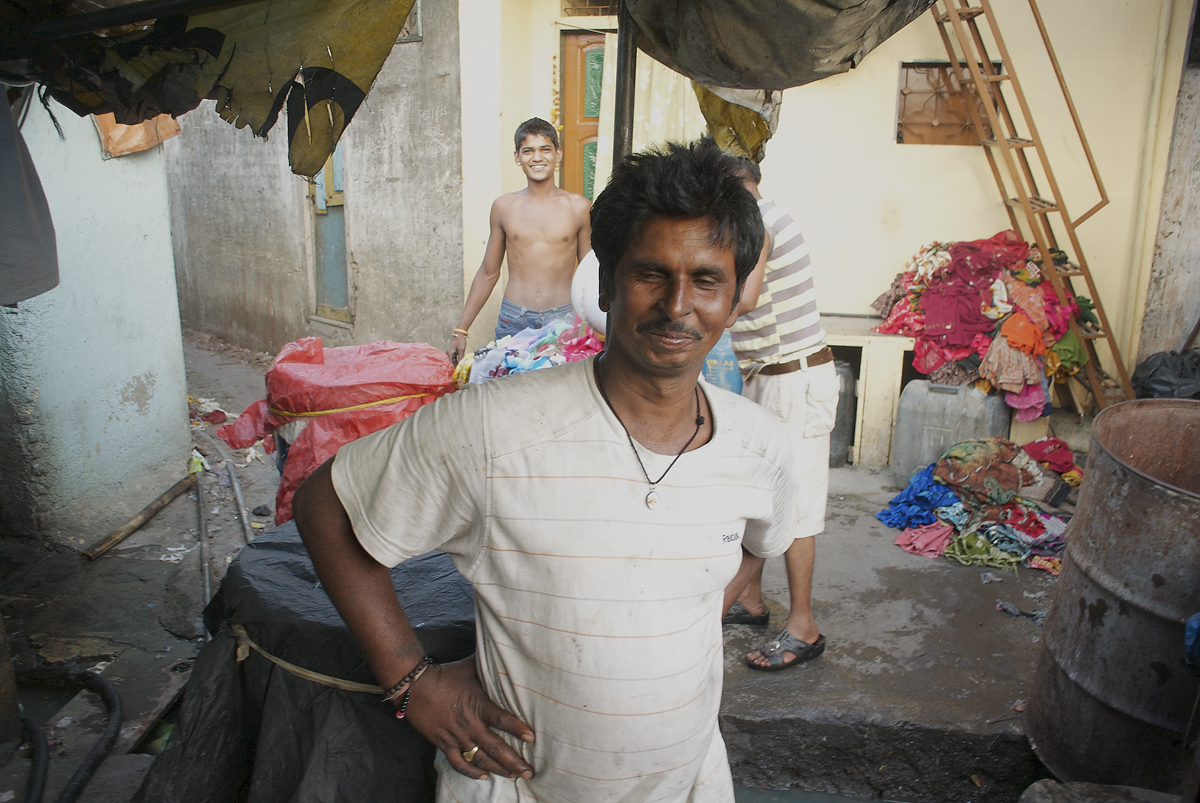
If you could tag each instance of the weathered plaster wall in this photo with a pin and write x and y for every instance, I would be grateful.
(403, 162)
(1173, 299)
(93, 399)
(242, 222)
(237, 223)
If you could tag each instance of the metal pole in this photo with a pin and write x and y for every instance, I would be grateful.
(627, 33)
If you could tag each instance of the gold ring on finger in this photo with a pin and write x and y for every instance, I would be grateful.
(469, 755)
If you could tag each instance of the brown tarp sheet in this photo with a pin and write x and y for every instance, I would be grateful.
(318, 59)
(315, 58)
(741, 54)
(751, 44)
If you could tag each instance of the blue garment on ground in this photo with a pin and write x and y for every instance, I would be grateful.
(914, 505)
(955, 514)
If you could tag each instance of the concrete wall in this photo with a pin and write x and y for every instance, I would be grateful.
(403, 162)
(1173, 298)
(93, 399)
(238, 228)
(242, 222)
(866, 203)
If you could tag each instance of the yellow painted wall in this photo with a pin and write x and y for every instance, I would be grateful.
(865, 203)
(482, 83)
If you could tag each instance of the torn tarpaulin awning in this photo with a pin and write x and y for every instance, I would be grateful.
(316, 58)
(743, 53)
(747, 44)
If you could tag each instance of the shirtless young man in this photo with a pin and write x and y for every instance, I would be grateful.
(545, 231)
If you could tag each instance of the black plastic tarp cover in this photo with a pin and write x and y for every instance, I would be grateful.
(254, 732)
(1168, 375)
(749, 44)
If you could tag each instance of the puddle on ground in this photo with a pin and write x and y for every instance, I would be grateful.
(746, 794)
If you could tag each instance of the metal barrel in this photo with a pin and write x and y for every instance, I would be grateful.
(1112, 696)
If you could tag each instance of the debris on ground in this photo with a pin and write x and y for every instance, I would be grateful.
(1012, 610)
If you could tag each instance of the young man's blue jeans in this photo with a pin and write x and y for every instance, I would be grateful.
(515, 318)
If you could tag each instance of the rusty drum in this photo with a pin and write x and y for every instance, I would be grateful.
(1111, 697)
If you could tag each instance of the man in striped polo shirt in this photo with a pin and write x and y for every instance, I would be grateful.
(605, 512)
(789, 370)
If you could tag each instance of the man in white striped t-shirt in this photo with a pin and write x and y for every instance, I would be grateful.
(605, 512)
(789, 370)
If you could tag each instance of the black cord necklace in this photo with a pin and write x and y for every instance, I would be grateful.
(652, 496)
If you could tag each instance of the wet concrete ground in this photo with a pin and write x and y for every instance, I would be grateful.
(913, 700)
(914, 697)
(134, 611)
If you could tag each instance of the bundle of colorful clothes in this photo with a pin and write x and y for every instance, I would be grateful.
(529, 350)
(987, 502)
(984, 312)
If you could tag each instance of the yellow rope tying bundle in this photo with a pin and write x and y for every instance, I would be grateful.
(314, 413)
(245, 644)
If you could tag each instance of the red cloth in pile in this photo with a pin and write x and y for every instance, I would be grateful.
(1052, 451)
(928, 541)
(956, 295)
(1058, 315)
(981, 344)
(903, 320)
(928, 357)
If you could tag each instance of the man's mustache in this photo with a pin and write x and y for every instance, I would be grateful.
(665, 327)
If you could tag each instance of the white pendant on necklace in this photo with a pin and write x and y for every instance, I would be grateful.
(652, 499)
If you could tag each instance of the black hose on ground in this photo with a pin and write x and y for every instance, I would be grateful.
(41, 761)
(99, 684)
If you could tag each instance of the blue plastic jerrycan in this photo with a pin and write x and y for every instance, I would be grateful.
(721, 368)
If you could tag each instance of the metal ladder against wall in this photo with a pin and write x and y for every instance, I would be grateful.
(1007, 149)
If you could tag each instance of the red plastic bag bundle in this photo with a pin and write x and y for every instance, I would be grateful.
(343, 393)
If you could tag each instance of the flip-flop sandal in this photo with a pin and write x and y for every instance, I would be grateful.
(785, 642)
(739, 614)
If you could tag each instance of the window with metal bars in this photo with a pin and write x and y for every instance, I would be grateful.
(588, 8)
(931, 110)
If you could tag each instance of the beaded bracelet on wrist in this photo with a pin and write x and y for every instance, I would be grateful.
(402, 687)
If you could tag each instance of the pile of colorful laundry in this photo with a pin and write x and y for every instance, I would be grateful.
(986, 502)
(529, 350)
(985, 312)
